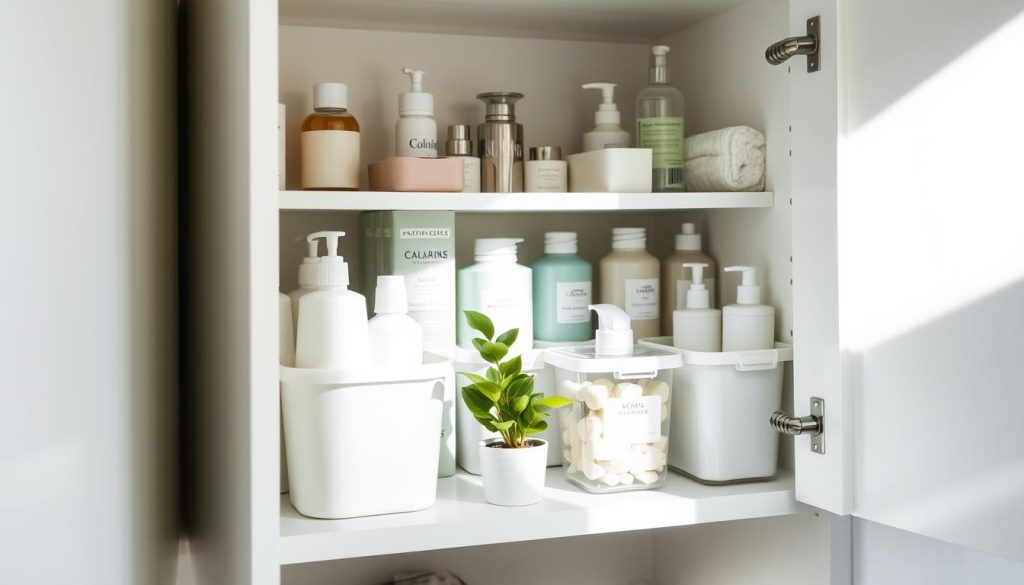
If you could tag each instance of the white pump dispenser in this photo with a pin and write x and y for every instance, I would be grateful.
(396, 339)
(607, 132)
(698, 327)
(307, 281)
(748, 324)
(332, 330)
(416, 129)
(614, 335)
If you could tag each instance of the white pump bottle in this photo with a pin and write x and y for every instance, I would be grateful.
(396, 339)
(748, 324)
(307, 281)
(607, 132)
(698, 327)
(416, 129)
(332, 330)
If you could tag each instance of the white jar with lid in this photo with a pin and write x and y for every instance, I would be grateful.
(546, 172)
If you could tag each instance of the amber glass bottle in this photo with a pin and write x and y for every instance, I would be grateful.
(330, 141)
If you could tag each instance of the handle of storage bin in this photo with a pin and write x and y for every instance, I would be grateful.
(635, 375)
(749, 361)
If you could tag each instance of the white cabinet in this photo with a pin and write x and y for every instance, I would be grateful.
(921, 410)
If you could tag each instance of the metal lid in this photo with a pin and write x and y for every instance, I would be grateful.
(458, 143)
(545, 153)
(501, 105)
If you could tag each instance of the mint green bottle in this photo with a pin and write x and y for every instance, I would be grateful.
(562, 291)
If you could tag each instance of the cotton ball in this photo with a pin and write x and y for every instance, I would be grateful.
(661, 444)
(594, 396)
(647, 477)
(610, 479)
(660, 389)
(624, 463)
(605, 382)
(650, 459)
(607, 449)
(643, 382)
(569, 389)
(591, 469)
(589, 427)
(627, 391)
(626, 478)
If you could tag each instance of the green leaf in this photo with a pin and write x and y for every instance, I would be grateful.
(487, 424)
(512, 367)
(481, 323)
(504, 425)
(509, 337)
(493, 351)
(554, 401)
(478, 343)
(537, 427)
(494, 376)
(477, 402)
(519, 404)
(474, 378)
(521, 385)
(489, 389)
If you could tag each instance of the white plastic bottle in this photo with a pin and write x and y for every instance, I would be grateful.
(748, 324)
(501, 289)
(416, 130)
(697, 327)
(333, 330)
(607, 132)
(285, 331)
(307, 280)
(396, 339)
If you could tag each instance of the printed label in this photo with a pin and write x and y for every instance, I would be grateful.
(424, 233)
(330, 159)
(642, 298)
(634, 420)
(664, 136)
(572, 300)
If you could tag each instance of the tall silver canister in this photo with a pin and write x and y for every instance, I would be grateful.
(501, 143)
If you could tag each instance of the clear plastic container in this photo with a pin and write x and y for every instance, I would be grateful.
(615, 436)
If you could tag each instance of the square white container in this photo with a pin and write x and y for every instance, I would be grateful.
(364, 441)
(469, 432)
(616, 433)
(721, 405)
(611, 170)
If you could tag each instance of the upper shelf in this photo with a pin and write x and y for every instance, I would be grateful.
(511, 202)
(461, 517)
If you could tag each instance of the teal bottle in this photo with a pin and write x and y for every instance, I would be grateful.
(562, 291)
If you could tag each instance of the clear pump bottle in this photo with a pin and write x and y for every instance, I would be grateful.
(659, 124)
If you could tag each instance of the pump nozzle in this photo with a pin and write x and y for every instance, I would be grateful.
(747, 293)
(331, 238)
(415, 102)
(659, 70)
(415, 77)
(607, 112)
(614, 335)
(697, 297)
(310, 264)
(334, 269)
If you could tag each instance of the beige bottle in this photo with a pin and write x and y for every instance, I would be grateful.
(629, 279)
(676, 280)
(329, 144)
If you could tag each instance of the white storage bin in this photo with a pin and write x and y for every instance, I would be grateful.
(469, 432)
(363, 442)
(721, 403)
(611, 170)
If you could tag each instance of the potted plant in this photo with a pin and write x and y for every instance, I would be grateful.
(504, 402)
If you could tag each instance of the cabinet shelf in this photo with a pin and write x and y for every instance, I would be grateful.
(517, 202)
(461, 517)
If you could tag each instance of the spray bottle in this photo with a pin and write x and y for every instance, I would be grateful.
(607, 132)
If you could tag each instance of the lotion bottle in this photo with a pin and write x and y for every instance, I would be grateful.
(498, 287)
(416, 130)
(307, 281)
(329, 144)
(748, 324)
(675, 279)
(629, 280)
(333, 331)
(562, 291)
(396, 339)
(697, 327)
(607, 132)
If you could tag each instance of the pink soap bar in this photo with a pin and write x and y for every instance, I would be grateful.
(406, 173)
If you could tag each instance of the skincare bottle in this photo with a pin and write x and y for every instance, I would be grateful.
(307, 279)
(659, 124)
(501, 144)
(416, 130)
(546, 172)
(697, 327)
(675, 279)
(748, 324)
(562, 291)
(460, 145)
(629, 279)
(606, 133)
(396, 339)
(333, 329)
(498, 287)
(285, 331)
(329, 144)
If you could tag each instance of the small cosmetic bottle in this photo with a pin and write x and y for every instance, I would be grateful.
(546, 172)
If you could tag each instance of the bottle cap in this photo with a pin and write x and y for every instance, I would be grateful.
(310, 265)
(496, 247)
(607, 112)
(500, 105)
(629, 238)
(545, 153)
(560, 242)
(659, 65)
(330, 96)
(689, 240)
(415, 102)
(390, 297)
(459, 142)
(697, 296)
(747, 293)
(614, 335)
(333, 268)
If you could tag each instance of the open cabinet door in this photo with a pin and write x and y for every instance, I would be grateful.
(909, 268)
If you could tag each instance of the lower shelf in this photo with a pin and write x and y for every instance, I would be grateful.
(461, 517)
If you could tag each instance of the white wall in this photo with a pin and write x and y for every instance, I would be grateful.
(87, 242)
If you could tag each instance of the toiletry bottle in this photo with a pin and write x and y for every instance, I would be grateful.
(459, 144)
(499, 288)
(333, 330)
(329, 145)
(562, 291)
(308, 274)
(629, 279)
(659, 124)
(606, 133)
(416, 130)
(697, 327)
(546, 172)
(285, 331)
(748, 324)
(501, 144)
(396, 339)
(675, 280)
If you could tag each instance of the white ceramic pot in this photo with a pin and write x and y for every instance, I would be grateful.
(513, 477)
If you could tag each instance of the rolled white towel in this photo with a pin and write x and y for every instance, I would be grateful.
(730, 159)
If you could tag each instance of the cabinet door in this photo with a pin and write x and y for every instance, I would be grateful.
(908, 266)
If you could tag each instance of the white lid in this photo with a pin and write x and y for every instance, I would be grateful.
(607, 112)
(415, 102)
(689, 240)
(614, 335)
(310, 265)
(747, 293)
(333, 268)
(629, 238)
(391, 295)
(330, 95)
(697, 296)
(496, 247)
(643, 361)
(559, 242)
